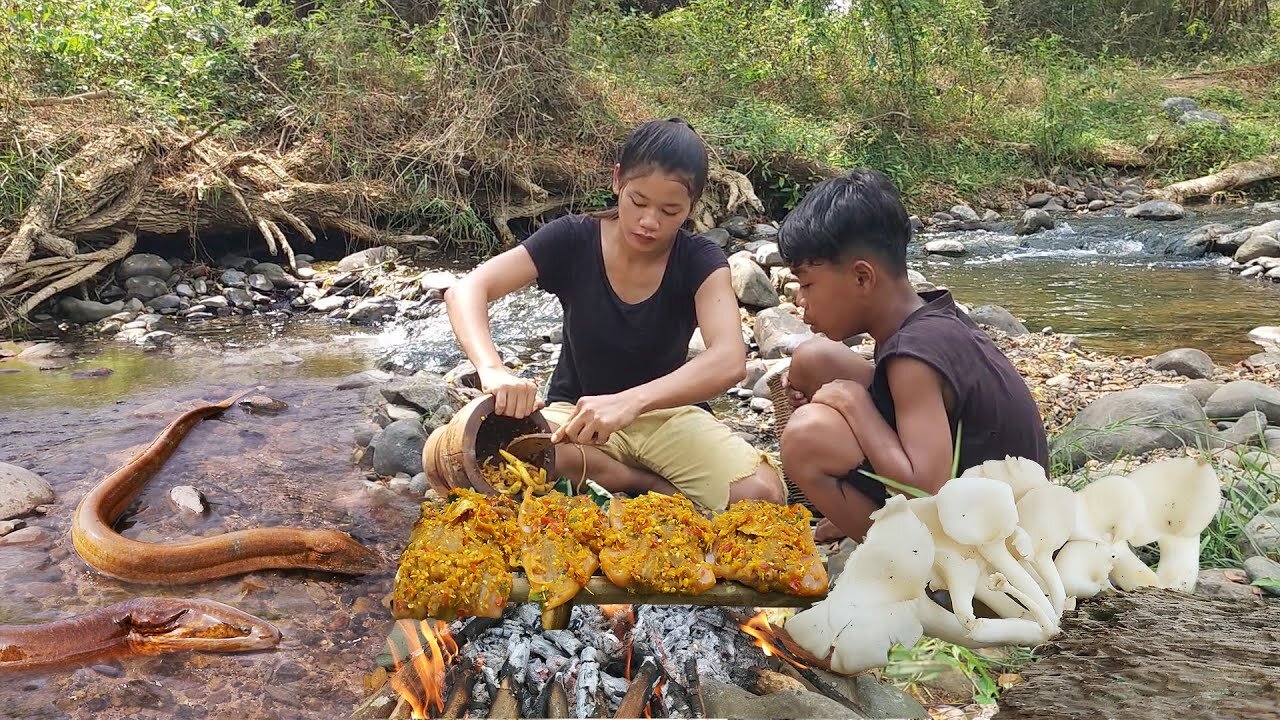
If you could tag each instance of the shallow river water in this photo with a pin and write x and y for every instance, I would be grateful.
(1094, 279)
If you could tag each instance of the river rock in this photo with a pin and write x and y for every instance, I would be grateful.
(1187, 362)
(276, 274)
(1202, 389)
(1238, 397)
(1258, 567)
(22, 491)
(1156, 210)
(87, 311)
(963, 213)
(1249, 272)
(329, 304)
(731, 702)
(999, 318)
(398, 448)
(425, 393)
(373, 310)
(145, 287)
(777, 329)
(719, 236)
(750, 282)
(234, 279)
(1039, 200)
(1257, 246)
(737, 226)
(1204, 117)
(945, 246)
(164, 303)
(763, 231)
(1176, 107)
(1266, 336)
(1249, 430)
(259, 282)
(1133, 422)
(238, 297)
(1262, 533)
(263, 404)
(215, 302)
(143, 264)
(187, 499)
(368, 258)
(768, 255)
(1096, 205)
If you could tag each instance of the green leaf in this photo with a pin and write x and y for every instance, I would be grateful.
(900, 487)
(1270, 584)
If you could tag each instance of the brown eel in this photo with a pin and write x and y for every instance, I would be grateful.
(141, 626)
(202, 559)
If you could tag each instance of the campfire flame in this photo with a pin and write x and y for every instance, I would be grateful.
(767, 639)
(428, 664)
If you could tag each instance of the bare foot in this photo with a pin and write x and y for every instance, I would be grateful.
(826, 531)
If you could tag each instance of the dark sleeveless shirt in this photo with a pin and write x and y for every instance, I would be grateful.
(611, 345)
(992, 403)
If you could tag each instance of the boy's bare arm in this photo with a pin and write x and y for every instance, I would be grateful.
(919, 453)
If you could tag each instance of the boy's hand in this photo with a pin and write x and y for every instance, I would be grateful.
(512, 396)
(840, 394)
(794, 396)
(597, 417)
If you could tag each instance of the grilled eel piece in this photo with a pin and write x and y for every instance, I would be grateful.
(561, 537)
(459, 557)
(657, 543)
(768, 547)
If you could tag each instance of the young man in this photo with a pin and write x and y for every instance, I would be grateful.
(935, 370)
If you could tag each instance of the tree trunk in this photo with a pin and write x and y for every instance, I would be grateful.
(1231, 177)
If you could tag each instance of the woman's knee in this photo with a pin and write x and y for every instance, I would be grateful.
(763, 484)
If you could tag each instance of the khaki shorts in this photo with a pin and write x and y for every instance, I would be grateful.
(686, 446)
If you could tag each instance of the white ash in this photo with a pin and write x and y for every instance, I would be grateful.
(586, 684)
(673, 633)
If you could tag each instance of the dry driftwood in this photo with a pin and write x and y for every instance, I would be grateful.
(1229, 178)
(1155, 654)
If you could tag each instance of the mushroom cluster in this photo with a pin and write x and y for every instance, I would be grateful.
(1003, 536)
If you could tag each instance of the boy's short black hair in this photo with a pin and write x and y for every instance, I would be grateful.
(859, 212)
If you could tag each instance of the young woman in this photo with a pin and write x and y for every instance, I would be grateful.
(633, 285)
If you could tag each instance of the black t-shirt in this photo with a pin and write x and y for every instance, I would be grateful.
(610, 345)
(992, 400)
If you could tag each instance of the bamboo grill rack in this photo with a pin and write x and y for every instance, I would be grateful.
(600, 591)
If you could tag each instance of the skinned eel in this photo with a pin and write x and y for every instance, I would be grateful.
(202, 559)
(141, 626)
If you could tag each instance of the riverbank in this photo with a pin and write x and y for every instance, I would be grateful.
(345, 451)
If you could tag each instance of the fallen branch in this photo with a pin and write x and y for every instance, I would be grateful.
(1230, 177)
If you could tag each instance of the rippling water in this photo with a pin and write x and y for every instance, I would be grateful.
(1099, 278)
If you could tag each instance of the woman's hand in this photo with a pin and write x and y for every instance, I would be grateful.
(597, 417)
(512, 396)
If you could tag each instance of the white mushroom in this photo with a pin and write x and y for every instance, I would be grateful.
(1110, 509)
(1181, 496)
(1019, 473)
(986, 632)
(981, 511)
(1084, 567)
(1048, 515)
(957, 570)
(889, 568)
(872, 631)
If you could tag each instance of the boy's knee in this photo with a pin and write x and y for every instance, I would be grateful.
(814, 363)
(800, 436)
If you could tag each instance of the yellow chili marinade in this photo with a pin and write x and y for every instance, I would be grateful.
(768, 547)
(561, 540)
(459, 557)
(657, 543)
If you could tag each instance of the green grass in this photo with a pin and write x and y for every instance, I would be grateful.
(915, 668)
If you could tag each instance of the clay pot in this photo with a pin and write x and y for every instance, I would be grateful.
(453, 452)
